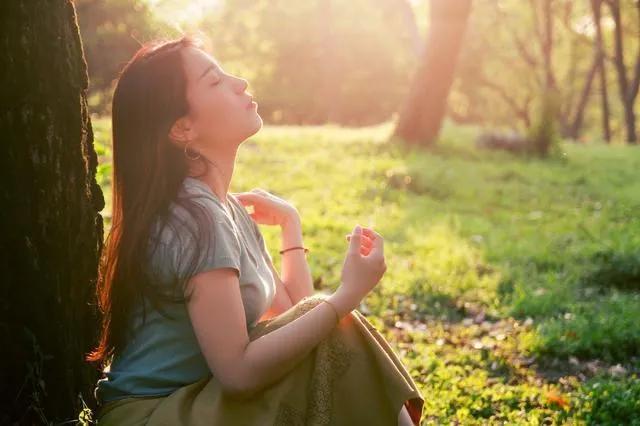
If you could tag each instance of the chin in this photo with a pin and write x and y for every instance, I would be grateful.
(257, 123)
(253, 128)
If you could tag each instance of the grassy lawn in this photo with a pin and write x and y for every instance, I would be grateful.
(513, 285)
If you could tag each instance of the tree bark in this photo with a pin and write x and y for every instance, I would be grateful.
(421, 116)
(547, 45)
(596, 7)
(576, 125)
(543, 29)
(50, 223)
(628, 87)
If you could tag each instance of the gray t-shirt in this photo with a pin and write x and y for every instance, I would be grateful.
(163, 354)
(236, 242)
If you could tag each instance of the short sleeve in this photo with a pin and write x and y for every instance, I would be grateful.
(262, 245)
(198, 238)
(261, 241)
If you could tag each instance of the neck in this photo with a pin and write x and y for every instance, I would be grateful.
(219, 173)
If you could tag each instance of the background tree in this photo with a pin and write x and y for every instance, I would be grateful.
(596, 7)
(424, 109)
(318, 61)
(517, 49)
(352, 62)
(51, 229)
(112, 30)
(628, 83)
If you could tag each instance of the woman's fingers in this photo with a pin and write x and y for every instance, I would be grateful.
(248, 197)
(377, 246)
(365, 240)
(370, 233)
(371, 243)
(365, 244)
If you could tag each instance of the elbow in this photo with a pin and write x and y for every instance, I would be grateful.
(238, 387)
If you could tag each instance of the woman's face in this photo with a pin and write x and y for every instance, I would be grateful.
(221, 113)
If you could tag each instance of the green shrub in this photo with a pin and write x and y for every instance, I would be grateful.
(613, 269)
(606, 330)
(607, 401)
(543, 136)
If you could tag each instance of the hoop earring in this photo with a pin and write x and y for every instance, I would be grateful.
(186, 153)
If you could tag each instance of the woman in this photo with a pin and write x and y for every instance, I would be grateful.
(198, 327)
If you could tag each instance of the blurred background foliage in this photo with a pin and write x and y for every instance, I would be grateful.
(350, 62)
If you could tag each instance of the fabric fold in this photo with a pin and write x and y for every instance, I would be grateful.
(351, 377)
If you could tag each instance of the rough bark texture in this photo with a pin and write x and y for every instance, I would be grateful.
(50, 223)
(421, 117)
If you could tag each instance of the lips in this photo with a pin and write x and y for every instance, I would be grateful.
(249, 103)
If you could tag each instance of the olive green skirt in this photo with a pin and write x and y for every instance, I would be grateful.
(353, 377)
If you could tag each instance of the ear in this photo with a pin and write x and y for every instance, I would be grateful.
(181, 131)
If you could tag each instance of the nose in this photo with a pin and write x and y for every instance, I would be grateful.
(242, 84)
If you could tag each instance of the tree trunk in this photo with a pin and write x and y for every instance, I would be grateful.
(596, 7)
(628, 88)
(51, 227)
(547, 45)
(421, 117)
(409, 18)
(576, 125)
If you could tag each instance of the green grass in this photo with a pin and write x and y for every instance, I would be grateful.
(512, 288)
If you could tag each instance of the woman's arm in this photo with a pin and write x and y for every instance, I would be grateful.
(296, 275)
(272, 210)
(243, 366)
(281, 301)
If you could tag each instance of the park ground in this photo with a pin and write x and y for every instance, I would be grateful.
(512, 292)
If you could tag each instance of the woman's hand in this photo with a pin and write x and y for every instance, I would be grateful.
(363, 267)
(268, 209)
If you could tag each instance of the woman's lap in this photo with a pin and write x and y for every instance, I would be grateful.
(351, 377)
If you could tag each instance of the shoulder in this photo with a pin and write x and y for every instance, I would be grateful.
(248, 221)
(194, 190)
(250, 226)
(194, 234)
(192, 213)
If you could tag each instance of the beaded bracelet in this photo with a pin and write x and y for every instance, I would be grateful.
(306, 250)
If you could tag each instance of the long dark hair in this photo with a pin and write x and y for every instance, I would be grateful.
(148, 171)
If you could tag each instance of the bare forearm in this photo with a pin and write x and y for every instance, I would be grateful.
(296, 275)
(269, 357)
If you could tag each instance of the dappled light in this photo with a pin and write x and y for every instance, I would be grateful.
(491, 145)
